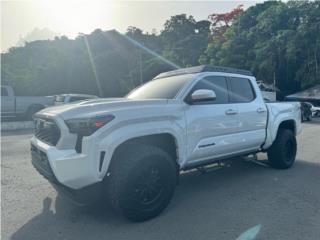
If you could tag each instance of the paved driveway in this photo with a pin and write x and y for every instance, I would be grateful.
(221, 204)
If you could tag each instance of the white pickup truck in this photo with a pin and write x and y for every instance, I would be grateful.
(21, 106)
(131, 150)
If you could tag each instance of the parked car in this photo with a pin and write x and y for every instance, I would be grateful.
(306, 112)
(16, 106)
(315, 110)
(68, 98)
(131, 150)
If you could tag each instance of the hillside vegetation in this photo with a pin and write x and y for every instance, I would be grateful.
(275, 40)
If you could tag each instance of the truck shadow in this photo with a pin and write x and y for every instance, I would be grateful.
(219, 204)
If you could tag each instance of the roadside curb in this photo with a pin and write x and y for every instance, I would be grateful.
(11, 126)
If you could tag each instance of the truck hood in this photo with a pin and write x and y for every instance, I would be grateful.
(88, 108)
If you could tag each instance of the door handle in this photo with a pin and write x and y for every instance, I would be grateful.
(261, 110)
(231, 112)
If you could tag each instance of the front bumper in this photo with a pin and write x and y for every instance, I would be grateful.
(72, 169)
(86, 195)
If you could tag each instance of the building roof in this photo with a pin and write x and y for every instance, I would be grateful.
(310, 93)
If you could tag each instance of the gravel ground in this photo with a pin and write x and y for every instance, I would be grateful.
(221, 204)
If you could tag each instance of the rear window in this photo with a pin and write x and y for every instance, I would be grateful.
(241, 90)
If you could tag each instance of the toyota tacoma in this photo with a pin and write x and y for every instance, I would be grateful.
(130, 151)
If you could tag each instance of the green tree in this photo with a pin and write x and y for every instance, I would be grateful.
(184, 39)
(275, 40)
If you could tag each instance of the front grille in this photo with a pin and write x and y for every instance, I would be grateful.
(47, 131)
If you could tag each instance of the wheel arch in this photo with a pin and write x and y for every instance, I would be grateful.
(165, 141)
(288, 124)
(273, 129)
(158, 133)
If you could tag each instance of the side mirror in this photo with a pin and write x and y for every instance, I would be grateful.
(203, 95)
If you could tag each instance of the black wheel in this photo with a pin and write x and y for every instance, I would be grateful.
(141, 182)
(32, 110)
(282, 153)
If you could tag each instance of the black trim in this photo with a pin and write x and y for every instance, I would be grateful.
(102, 154)
(41, 163)
(205, 162)
(207, 145)
(265, 139)
(78, 146)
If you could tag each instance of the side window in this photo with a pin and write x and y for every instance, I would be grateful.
(216, 83)
(4, 92)
(241, 90)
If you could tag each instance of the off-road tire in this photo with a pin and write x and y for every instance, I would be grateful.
(282, 153)
(138, 168)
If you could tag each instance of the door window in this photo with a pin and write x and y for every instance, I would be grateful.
(216, 83)
(241, 90)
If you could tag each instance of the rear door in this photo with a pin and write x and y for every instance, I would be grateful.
(212, 125)
(252, 113)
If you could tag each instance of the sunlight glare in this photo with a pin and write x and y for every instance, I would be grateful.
(72, 17)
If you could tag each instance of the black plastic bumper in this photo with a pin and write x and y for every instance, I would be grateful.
(83, 196)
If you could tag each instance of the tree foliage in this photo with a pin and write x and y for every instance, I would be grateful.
(184, 39)
(220, 22)
(275, 40)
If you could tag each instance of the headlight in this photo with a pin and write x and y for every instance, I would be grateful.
(87, 126)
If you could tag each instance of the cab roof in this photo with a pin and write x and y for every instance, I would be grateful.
(203, 68)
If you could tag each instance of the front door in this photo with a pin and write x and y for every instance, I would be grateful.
(211, 126)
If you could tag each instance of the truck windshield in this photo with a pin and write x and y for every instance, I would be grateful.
(162, 88)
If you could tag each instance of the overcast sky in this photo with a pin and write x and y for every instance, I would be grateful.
(69, 17)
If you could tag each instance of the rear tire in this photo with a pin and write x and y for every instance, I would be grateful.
(282, 153)
(142, 181)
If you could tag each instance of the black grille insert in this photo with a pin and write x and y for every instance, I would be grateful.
(41, 164)
(47, 131)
